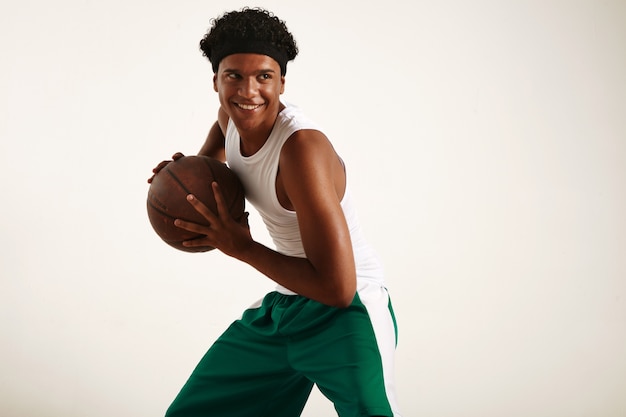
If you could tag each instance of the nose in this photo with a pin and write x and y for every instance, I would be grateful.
(249, 87)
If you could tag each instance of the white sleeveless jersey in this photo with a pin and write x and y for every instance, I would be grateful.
(258, 176)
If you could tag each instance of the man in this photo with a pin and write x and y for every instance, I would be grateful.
(330, 321)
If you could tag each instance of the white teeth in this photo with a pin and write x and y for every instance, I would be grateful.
(249, 106)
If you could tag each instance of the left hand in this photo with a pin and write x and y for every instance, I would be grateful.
(223, 232)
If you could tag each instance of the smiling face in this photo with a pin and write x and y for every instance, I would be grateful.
(249, 88)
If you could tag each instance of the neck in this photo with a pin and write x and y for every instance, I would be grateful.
(252, 140)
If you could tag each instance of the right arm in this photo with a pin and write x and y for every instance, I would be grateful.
(214, 145)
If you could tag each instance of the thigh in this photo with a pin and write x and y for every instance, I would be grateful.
(351, 359)
(243, 375)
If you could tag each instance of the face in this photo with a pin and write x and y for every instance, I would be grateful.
(249, 88)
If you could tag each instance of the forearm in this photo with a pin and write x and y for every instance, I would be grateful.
(300, 276)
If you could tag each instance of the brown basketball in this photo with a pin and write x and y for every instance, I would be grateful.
(167, 197)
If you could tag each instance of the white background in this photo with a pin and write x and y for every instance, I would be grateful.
(486, 143)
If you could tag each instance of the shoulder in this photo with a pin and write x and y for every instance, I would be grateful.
(304, 141)
(306, 145)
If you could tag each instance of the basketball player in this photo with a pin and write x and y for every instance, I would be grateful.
(329, 322)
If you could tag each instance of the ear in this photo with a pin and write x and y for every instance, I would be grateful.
(282, 84)
(215, 82)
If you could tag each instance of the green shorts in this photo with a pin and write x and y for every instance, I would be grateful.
(265, 364)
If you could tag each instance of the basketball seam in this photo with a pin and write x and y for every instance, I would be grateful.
(207, 161)
(167, 215)
(158, 207)
(182, 185)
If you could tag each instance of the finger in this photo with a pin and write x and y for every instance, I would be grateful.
(202, 209)
(192, 227)
(177, 156)
(159, 167)
(205, 240)
(222, 210)
(202, 241)
(198, 243)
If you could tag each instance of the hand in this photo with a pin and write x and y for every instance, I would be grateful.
(162, 165)
(223, 232)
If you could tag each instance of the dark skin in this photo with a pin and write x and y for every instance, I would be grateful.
(311, 181)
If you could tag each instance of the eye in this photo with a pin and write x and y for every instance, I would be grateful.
(265, 77)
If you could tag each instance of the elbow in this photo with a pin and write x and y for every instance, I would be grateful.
(344, 296)
(344, 302)
(336, 285)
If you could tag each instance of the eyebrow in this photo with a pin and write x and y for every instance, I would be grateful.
(261, 71)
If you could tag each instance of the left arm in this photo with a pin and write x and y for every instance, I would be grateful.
(312, 182)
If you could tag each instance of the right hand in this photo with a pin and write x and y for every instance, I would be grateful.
(162, 165)
(222, 231)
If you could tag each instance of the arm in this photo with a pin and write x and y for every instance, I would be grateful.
(313, 181)
(214, 144)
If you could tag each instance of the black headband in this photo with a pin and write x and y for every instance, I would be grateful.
(244, 46)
